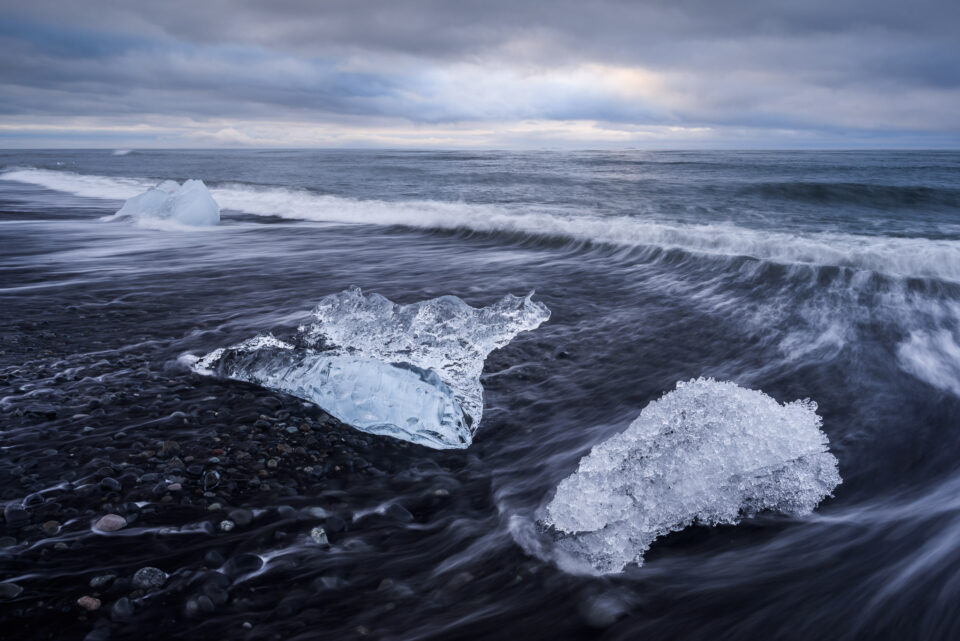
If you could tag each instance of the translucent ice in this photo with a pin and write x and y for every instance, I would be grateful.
(709, 452)
(187, 204)
(407, 371)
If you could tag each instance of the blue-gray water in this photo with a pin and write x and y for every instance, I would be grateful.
(833, 276)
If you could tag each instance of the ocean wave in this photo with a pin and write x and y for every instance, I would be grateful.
(911, 257)
(87, 186)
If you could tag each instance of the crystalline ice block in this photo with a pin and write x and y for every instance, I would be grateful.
(407, 371)
(709, 452)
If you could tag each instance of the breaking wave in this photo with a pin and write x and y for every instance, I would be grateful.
(911, 257)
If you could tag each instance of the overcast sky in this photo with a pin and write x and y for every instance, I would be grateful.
(497, 73)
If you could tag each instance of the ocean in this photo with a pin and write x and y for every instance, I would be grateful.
(830, 276)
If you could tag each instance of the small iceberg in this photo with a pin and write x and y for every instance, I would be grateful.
(407, 371)
(187, 204)
(709, 453)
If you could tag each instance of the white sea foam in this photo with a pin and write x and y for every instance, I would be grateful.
(105, 187)
(934, 357)
(709, 452)
(905, 257)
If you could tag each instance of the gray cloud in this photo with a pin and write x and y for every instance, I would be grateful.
(818, 65)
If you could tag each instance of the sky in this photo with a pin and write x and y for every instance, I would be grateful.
(599, 74)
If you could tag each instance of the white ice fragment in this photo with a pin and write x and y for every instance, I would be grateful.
(187, 204)
(709, 452)
(407, 371)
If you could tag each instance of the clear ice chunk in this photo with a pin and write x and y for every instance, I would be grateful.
(707, 453)
(407, 371)
(187, 204)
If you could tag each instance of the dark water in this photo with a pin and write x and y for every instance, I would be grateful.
(834, 276)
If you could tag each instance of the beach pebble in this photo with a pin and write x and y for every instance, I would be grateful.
(148, 578)
(241, 516)
(319, 536)
(102, 580)
(399, 513)
(242, 564)
(211, 479)
(169, 448)
(316, 512)
(51, 528)
(33, 500)
(213, 557)
(122, 609)
(199, 606)
(15, 515)
(110, 523)
(89, 603)
(110, 484)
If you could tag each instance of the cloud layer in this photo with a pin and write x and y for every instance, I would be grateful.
(430, 73)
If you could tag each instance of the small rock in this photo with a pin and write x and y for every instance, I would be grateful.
(273, 463)
(319, 536)
(51, 528)
(214, 558)
(102, 580)
(110, 484)
(242, 564)
(149, 578)
(213, 507)
(33, 500)
(175, 487)
(211, 479)
(399, 513)
(110, 523)
(241, 516)
(10, 590)
(199, 606)
(169, 448)
(15, 515)
(89, 603)
(122, 609)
